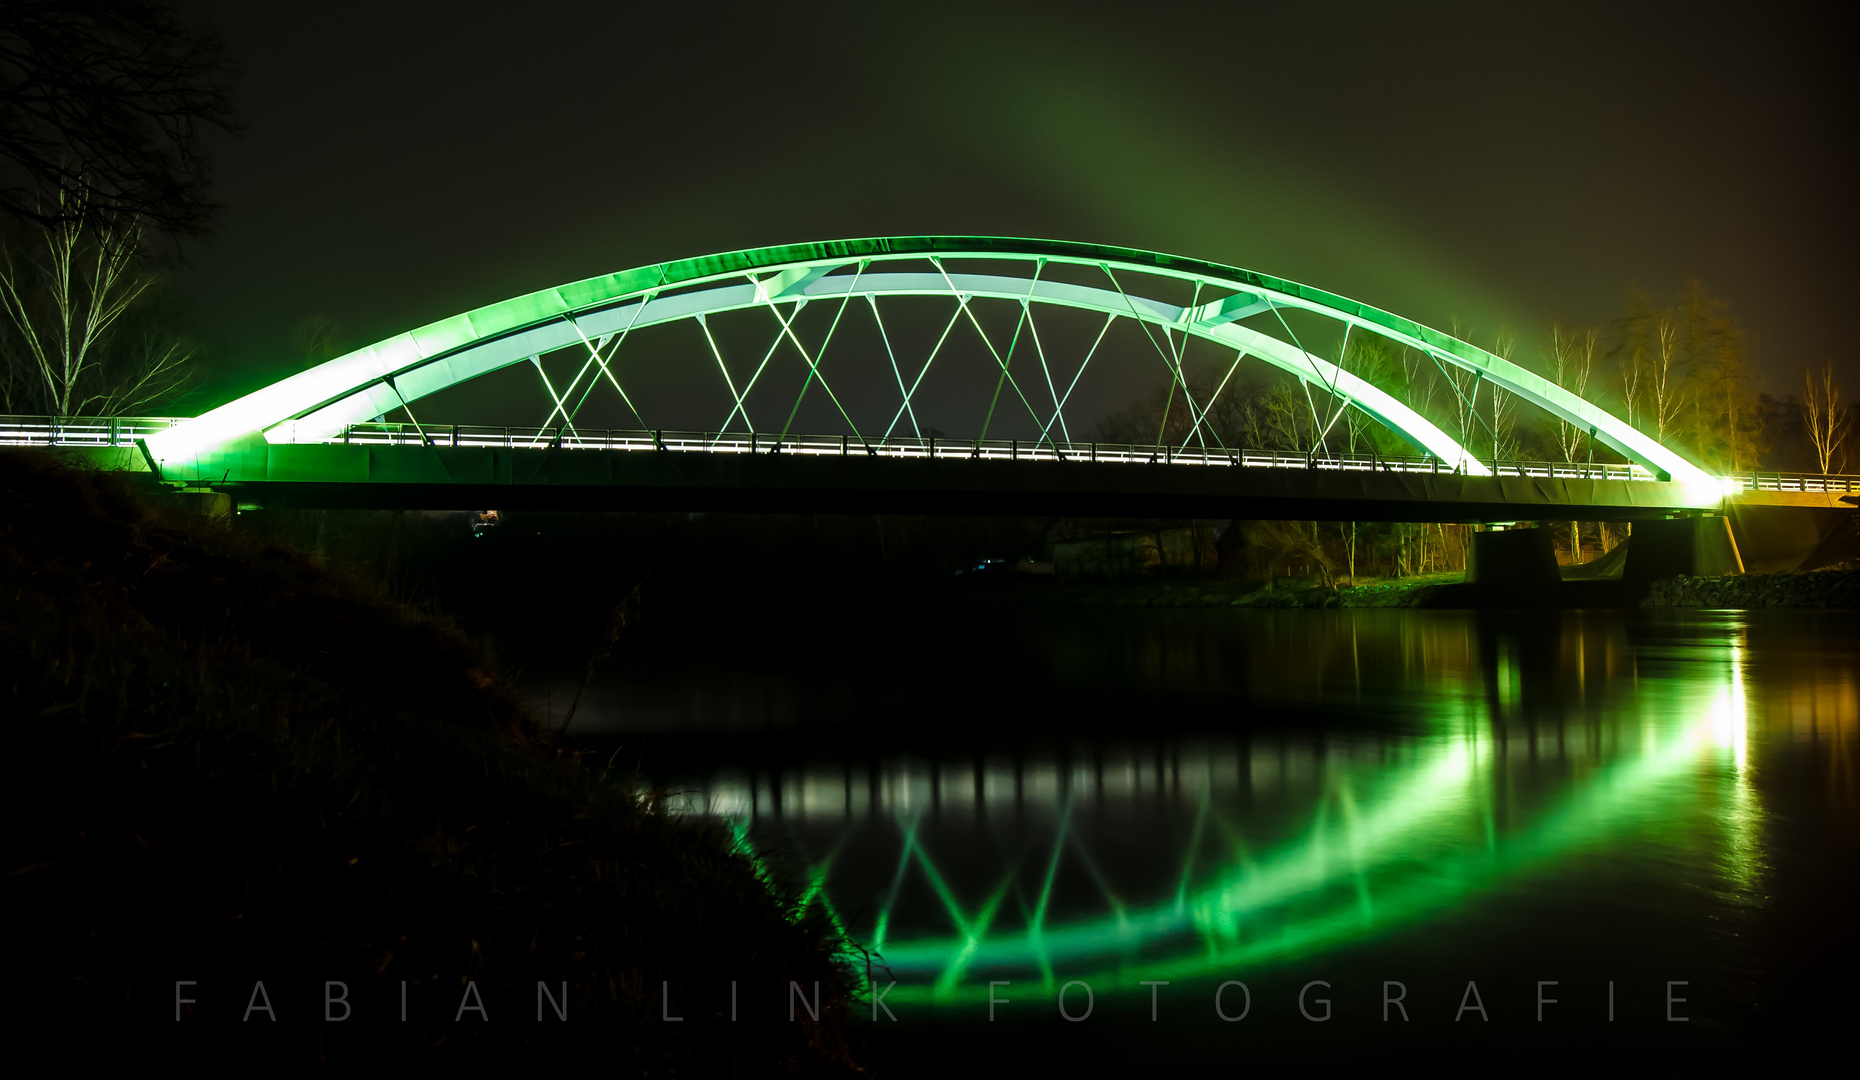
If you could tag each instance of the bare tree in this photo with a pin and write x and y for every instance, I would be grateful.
(1217, 416)
(1828, 421)
(1465, 386)
(319, 339)
(1665, 392)
(1370, 359)
(1629, 347)
(1504, 409)
(1285, 420)
(110, 98)
(1420, 383)
(1631, 367)
(71, 350)
(1573, 357)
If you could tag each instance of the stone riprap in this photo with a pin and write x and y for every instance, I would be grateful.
(1816, 589)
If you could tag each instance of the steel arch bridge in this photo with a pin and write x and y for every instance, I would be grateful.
(310, 428)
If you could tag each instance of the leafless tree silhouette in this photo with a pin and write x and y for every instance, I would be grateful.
(112, 98)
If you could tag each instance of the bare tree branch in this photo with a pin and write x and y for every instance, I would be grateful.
(70, 351)
(1573, 357)
(1828, 421)
(1667, 394)
(114, 97)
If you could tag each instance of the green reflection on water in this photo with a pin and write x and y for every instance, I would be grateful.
(1414, 835)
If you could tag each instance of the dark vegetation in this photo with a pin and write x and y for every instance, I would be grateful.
(232, 763)
(565, 571)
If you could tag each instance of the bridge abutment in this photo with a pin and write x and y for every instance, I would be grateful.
(1793, 530)
(1694, 546)
(212, 505)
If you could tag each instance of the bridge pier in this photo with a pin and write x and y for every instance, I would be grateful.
(1523, 559)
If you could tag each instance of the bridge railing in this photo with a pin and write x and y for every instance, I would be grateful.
(1782, 481)
(927, 447)
(124, 430)
(81, 430)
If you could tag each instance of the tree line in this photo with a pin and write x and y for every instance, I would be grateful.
(1677, 371)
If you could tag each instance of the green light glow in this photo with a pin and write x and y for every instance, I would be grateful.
(1389, 844)
(228, 442)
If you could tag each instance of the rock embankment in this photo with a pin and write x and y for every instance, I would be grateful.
(1817, 589)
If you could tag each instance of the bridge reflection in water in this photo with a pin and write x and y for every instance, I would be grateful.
(1199, 857)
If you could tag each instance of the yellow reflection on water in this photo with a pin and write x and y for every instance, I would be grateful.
(1519, 748)
(1820, 708)
(1731, 713)
(1821, 704)
(1743, 811)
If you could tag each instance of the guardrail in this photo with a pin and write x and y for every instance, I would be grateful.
(920, 447)
(81, 430)
(1781, 481)
(123, 431)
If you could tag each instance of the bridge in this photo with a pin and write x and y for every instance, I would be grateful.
(836, 347)
(396, 465)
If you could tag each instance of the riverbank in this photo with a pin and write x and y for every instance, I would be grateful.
(240, 780)
(1290, 593)
(1192, 593)
(1831, 588)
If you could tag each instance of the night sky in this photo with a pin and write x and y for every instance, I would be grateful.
(1505, 168)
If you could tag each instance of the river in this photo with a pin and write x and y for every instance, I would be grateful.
(1305, 836)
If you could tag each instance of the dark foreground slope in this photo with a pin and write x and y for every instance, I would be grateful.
(227, 764)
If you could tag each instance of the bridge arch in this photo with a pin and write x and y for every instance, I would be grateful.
(320, 402)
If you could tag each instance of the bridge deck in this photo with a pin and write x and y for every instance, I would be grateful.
(401, 465)
(443, 477)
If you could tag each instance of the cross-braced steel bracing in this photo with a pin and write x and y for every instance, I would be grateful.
(1172, 300)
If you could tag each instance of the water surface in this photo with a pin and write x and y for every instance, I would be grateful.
(1631, 808)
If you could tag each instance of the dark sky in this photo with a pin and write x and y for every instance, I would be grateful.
(1500, 166)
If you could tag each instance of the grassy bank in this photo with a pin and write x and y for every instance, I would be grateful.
(1196, 593)
(231, 764)
(1834, 587)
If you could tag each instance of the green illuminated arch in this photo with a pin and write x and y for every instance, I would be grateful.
(320, 402)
